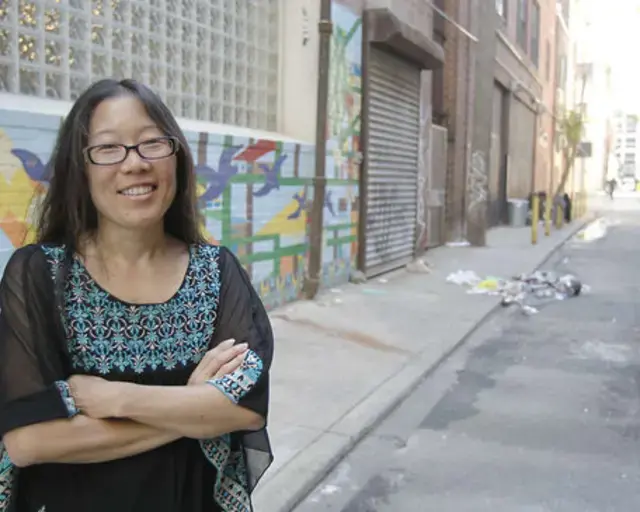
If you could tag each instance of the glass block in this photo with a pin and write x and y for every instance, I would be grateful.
(173, 102)
(187, 107)
(138, 43)
(216, 19)
(6, 42)
(239, 116)
(227, 115)
(119, 39)
(52, 53)
(78, 59)
(6, 78)
(187, 82)
(202, 113)
(173, 54)
(77, 85)
(227, 96)
(155, 76)
(139, 15)
(187, 59)
(251, 119)
(99, 64)
(138, 72)
(119, 10)
(27, 14)
(241, 51)
(78, 27)
(54, 85)
(27, 47)
(173, 80)
(119, 67)
(215, 89)
(217, 43)
(98, 35)
(188, 9)
(79, 4)
(215, 65)
(155, 49)
(156, 20)
(201, 62)
(201, 85)
(240, 95)
(52, 21)
(214, 113)
(5, 13)
(98, 8)
(174, 29)
(202, 11)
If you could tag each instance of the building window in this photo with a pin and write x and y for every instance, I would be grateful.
(523, 24)
(629, 158)
(630, 142)
(631, 124)
(501, 8)
(213, 61)
(534, 41)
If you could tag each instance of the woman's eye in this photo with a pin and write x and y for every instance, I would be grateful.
(107, 148)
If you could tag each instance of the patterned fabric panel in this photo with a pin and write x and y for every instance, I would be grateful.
(7, 477)
(67, 397)
(238, 383)
(106, 334)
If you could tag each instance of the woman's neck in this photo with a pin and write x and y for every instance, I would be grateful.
(131, 246)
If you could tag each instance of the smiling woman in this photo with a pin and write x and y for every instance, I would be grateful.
(134, 356)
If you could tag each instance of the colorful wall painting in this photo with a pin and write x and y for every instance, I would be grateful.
(343, 146)
(253, 193)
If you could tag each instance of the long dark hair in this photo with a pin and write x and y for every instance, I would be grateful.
(67, 213)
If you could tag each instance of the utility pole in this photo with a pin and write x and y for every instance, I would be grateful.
(312, 277)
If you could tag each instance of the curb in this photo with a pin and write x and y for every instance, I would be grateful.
(307, 470)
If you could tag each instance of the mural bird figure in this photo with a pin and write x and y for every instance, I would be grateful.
(218, 180)
(328, 203)
(301, 199)
(35, 169)
(271, 174)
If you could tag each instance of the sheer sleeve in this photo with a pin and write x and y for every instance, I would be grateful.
(32, 370)
(242, 316)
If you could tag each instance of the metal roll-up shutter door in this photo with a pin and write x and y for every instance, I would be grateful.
(392, 161)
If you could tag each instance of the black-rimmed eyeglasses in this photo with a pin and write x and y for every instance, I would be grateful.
(152, 149)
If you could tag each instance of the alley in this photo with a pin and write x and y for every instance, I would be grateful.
(537, 413)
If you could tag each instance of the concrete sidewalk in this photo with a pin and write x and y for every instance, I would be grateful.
(346, 359)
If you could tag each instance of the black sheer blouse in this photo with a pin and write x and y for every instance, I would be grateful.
(55, 320)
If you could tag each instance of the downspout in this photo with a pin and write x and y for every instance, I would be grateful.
(325, 30)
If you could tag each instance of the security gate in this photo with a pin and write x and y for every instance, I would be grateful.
(393, 129)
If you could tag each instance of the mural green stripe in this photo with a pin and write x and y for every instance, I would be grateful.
(255, 238)
(290, 250)
(340, 227)
(276, 259)
(287, 181)
(226, 202)
(352, 31)
(342, 240)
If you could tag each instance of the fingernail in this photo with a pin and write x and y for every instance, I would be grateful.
(230, 341)
(243, 346)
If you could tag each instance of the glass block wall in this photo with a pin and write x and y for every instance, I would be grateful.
(211, 60)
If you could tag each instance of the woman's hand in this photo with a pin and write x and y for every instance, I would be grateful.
(224, 358)
(95, 397)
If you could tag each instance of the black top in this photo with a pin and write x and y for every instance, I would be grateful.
(150, 344)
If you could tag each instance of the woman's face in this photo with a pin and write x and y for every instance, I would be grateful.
(136, 192)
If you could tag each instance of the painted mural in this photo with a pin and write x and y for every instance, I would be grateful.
(252, 193)
(343, 146)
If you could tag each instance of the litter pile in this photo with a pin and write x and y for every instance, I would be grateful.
(523, 289)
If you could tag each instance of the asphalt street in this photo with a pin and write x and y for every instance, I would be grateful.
(533, 413)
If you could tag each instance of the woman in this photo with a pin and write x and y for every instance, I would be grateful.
(134, 356)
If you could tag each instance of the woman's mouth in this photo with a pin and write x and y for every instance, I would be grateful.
(138, 190)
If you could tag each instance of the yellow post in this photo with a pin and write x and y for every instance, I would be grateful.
(547, 214)
(559, 216)
(535, 218)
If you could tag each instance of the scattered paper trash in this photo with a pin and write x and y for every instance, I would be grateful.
(523, 289)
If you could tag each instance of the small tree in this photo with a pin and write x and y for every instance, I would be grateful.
(571, 129)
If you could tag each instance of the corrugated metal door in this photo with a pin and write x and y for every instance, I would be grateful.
(392, 161)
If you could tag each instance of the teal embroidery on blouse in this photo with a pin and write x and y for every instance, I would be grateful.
(105, 334)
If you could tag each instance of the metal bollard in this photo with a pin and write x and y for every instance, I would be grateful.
(547, 214)
(535, 218)
(559, 216)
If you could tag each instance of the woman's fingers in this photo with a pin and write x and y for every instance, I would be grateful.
(231, 366)
(219, 356)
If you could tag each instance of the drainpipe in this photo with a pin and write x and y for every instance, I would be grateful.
(312, 277)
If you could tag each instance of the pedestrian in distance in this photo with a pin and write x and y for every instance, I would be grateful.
(134, 355)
